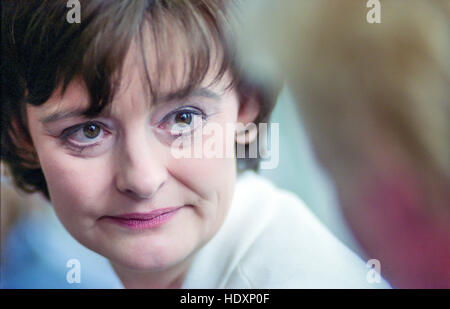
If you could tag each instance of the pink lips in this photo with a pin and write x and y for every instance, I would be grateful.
(140, 221)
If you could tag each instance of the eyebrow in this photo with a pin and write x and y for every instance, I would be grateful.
(176, 95)
(182, 94)
(79, 112)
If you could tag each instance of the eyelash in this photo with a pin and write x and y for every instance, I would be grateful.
(186, 109)
(67, 133)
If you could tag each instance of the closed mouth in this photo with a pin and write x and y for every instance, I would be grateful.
(148, 220)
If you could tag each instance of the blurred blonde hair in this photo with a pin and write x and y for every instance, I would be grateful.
(394, 75)
(375, 99)
(352, 77)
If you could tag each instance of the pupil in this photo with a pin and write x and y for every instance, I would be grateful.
(91, 131)
(184, 118)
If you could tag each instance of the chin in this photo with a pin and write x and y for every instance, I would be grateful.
(148, 258)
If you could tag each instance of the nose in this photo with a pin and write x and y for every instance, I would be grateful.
(141, 172)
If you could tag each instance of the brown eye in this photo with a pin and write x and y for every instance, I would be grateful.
(183, 118)
(91, 130)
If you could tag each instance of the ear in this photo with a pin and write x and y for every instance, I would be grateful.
(249, 108)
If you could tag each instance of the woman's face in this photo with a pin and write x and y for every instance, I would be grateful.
(113, 180)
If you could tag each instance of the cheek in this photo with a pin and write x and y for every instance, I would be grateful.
(212, 181)
(205, 176)
(74, 184)
(214, 169)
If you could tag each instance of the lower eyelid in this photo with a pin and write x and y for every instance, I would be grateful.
(75, 144)
(79, 148)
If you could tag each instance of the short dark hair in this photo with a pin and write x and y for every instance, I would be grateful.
(42, 51)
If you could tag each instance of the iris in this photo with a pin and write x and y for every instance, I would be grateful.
(91, 131)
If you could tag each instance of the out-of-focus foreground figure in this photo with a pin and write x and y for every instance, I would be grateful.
(375, 98)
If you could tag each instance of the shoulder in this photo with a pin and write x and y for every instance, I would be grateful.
(270, 239)
(289, 247)
(257, 197)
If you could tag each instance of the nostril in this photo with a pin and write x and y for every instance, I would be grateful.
(142, 182)
(142, 193)
(135, 194)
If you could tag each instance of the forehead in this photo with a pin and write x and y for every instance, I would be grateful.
(133, 93)
(162, 63)
(170, 62)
